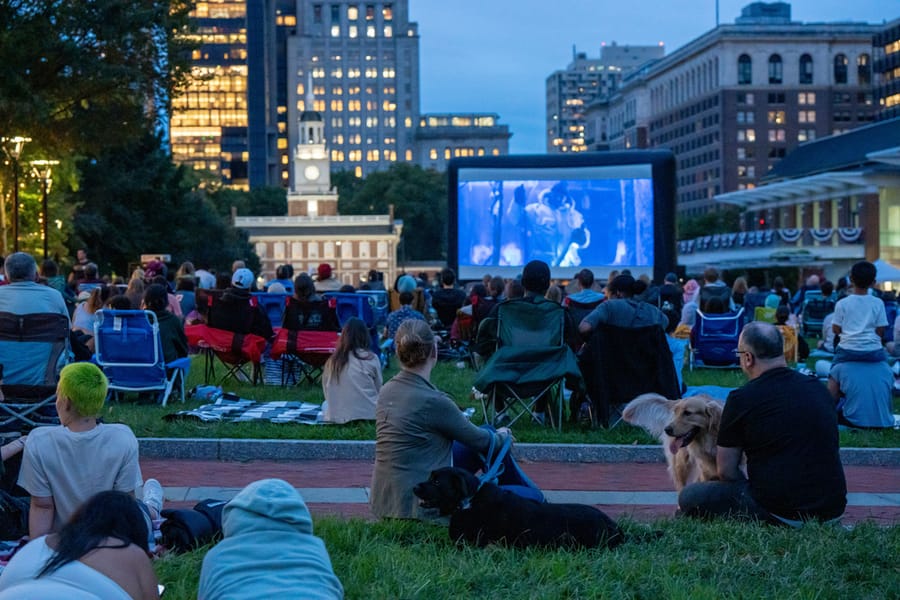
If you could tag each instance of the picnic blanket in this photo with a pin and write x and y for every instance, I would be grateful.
(230, 408)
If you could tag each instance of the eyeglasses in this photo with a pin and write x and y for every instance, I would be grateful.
(739, 352)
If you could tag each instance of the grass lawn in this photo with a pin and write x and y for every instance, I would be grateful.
(691, 560)
(147, 421)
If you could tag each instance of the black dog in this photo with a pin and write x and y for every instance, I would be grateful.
(489, 514)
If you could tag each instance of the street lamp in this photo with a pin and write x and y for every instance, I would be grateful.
(13, 147)
(43, 171)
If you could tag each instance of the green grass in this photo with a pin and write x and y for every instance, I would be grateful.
(691, 560)
(147, 420)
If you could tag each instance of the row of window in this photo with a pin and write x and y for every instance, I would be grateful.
(461, 151)
(353, 12)
(776, 69)
(306, 250)
(354, 73)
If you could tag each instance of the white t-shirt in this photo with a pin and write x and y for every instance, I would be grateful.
(72, 466)
(72, 581)
(352, 397)
(858, 317)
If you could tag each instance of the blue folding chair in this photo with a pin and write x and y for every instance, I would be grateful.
(714, 340)
(273, 304)
(128, 349)
(361, 306)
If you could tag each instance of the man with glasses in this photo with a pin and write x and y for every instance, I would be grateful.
(785, 424)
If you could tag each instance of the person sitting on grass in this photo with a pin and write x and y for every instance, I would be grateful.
(65, 465)
(785, 424)
(101, 552)
(351, 379)
(268, 549)
(405, 313)
(415, 427)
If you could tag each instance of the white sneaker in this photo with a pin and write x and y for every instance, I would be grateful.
(153, 497)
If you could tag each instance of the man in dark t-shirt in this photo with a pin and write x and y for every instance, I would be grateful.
(786, 425)
(449, 299)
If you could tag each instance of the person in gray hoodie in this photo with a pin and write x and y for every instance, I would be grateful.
(268, 549)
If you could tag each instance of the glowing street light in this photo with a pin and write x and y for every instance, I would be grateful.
(13, 147)
(42, 170)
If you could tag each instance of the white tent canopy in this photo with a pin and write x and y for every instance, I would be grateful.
(887, 271)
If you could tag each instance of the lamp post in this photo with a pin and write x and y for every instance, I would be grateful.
(43, 171)
(13, 147)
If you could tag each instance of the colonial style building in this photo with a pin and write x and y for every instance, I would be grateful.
(313, 233)
(733, 102)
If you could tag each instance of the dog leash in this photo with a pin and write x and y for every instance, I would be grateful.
(492, 474)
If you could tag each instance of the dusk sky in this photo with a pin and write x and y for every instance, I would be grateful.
(495, 55)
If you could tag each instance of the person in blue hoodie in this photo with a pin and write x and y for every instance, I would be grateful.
(268, 549)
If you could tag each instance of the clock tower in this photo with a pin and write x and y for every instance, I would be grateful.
(311, 194)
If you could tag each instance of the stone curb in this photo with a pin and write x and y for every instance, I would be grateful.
(291, 450)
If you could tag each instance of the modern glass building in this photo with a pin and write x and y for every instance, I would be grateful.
(362, 61)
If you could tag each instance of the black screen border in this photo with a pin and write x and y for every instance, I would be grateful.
(662, 163)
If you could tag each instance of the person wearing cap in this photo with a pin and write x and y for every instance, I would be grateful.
(234, 311)
(622, 310)
(536, 282)
(65, 465)
(324, 280)
(671, 300)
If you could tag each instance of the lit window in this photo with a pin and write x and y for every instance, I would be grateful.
(370, 31)
(282, 144)
(387, 13)
(807, 116)
(352, 12)
(335, 31)
(432, 154)
(370, 12)
(776, 117)
(408, 155)
(447, 153)
(495, 151)
(388, 31)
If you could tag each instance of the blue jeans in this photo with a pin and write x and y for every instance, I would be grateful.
(843, 355)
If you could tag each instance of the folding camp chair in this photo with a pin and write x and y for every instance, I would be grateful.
(127, 347)
(815, 309)
(531, 361)
(273, 304)
(714, 340)
(33, 349)
(579, 310)
(620, 363)
(361, 306)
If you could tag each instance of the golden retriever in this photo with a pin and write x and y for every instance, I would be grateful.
(687, 428)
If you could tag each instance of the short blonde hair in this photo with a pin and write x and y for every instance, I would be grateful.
(85, 386)
(414, 342)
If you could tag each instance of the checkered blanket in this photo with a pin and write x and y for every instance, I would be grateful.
(237, 410)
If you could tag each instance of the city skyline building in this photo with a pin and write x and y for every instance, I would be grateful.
(886, 46)
(362, 60)
(737, 99)
(584, 81)
(441, 137)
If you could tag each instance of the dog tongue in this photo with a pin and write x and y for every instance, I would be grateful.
(675, 445)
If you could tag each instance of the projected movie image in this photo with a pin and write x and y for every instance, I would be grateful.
(567, 223)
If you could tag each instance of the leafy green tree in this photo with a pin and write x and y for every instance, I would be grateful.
(258, 202)
(418, 196)
(723, 220)
(78, 77)
(134, 201)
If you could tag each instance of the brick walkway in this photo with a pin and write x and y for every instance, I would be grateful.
(874, 491)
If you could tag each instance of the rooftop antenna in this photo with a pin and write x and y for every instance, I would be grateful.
(717, 13)
(574, 53)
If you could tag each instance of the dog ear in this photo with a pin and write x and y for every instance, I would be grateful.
(462, 480)
(714, 411)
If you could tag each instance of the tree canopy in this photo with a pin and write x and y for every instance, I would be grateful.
(134, 201)
(418, 196)
(79, 77)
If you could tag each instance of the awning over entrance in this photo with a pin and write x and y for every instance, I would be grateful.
(824, 186)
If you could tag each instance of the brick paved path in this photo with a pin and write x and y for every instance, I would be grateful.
(874, 491)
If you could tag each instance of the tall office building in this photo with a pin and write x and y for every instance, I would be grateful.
(362, 60)
(886, 47)
(582, 82)
(224, 122)
(442, 137)
(735, 100)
